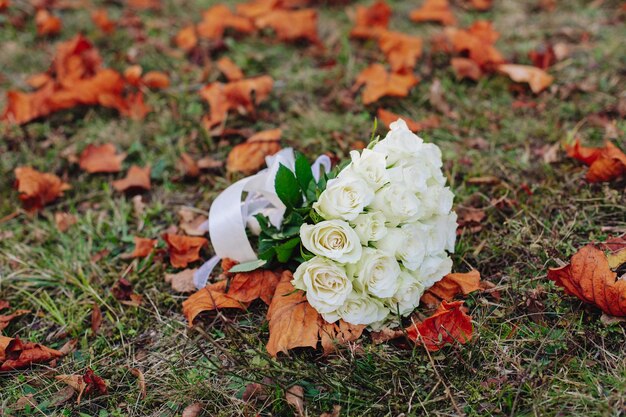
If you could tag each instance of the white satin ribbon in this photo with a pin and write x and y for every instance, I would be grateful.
(229, 215)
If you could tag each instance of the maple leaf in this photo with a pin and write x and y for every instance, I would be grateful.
(370, 21)
(183, 249)
(218, 18)
(291, 25)
(156, 79)
(589, 277)
(37, 189)
(434, 11)
(249, 156)
(450, 286)
(466, 68)
(605, 164)
(477, 42)
(101, 158)
(143, 247)
(186, 39)
(137, 178)
(448, 325)
(100, 18)
(230, 70)
(537, 79)
(378, 83)
(402, 51)
(16, 354)
(387, 117)
(211, 297)
(47, 24)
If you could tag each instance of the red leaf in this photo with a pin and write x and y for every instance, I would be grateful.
(16, 354)
(448, 325)
(38, 189)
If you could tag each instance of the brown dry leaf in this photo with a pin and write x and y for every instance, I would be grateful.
(186, 39)
(84, 384)
(295, 398)
(190, 222)
(230, 70)
(450, 286)
(378, 83)
(335, 413)
(132, 75)
(188, 166)
(209, 163)
(337, 334)
(24, 402)
(100, 17)
(141, 380)
(291, 25)
(605, 164)
(37, 189)
(182, 281)
(143, 247)
(123, 291)
(212, 297)
(96, 318)
(466, 68)
(64, 221)
(537, 79)
(183, 249)
(101, 158)
(249, 156)
(235, 95)
(387, 117)
(402, 51)
(477, 43)
(434, 11)
(6, 319)
(589, 277)
(156, 79)
(470, 219)
(370, 21)
(137, 178)
(192, 410)
(449, 325)
(481, 5)
(484, 180)
(385, 334)
(218, 18)
(438, 101)
(543, 56)
(47, 24)
(249, 286)
(16, 354)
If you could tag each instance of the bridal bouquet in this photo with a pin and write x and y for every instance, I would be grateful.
(365, 239)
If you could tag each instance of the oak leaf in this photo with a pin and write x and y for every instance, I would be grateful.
(230, 70)
(137, 178)
(47, 23)
(536, 78)
(291, 25)
(183, 249)
(387, 117)
(37, 189)
(448, 325)
(434, 11)
(218, 18)
(249, 156)
(186, 39)
(16, 354)
(101, 158)
(605, 164)
(589, 277)
(402, 51)
(370, 21)
(378, 83)
(450, 286)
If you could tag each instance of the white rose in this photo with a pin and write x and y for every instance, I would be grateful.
(436, 200)
(370, 227)
(418, 174)
(326, 284)
(408, 296)
(406, 244)
(344, 198)
(333, 239)
(433, 269)
(376, 273)
(359, 309)
(369, 165)
(397, 203)
(400, 143)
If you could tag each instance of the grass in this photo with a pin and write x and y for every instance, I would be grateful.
(536, 351)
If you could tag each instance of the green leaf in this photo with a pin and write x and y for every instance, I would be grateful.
(284, 251)
(248, 266)
(287, 187)
(304, 174)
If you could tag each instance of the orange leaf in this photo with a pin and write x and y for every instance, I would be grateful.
(338, 333)
(387, 117)
(248, 286)
(448, 325)
(249, 156)
(402, 51)
(6, 319)
(256, 8)
(452, 285)
(605, 164)
(292, 320)
(481, 5)
(590, 278)
(370, 21)
(186, 38)
(144, 4)
(37, 189)
(136, 178)
(183, 249)
(16, 354)
(211, 297)
(230, 70)
(434, 11)
(291, 25)
(188, 165)
(39, 80)
(47, 24)
(378, 83)
(64, 221)
(4, 4)
(132, 75)
(477, 42)
(101, 158)
(100, 18)
(466, 68)
(584, 154)
(143, 247)
(156, 79)
(537, 79)
(218, 18)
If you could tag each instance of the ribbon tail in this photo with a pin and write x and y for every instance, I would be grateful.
(201, 276)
